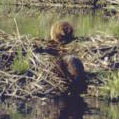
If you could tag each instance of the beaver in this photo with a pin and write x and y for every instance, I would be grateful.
(74, 67)
(62, 32)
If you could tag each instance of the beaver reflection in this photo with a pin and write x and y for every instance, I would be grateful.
(74, 107)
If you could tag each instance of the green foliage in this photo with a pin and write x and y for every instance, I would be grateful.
(16, 116)
(110, 89)
(83, 25)
(38, 23)
(89, 25)
(21, 63)
(110, 111)
(114, 26)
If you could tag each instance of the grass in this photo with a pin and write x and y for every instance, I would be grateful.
(89, 25)
(114, 26)
(40, 25)
(110, 111)
(16, 116)
(21, 63)
(110, 89)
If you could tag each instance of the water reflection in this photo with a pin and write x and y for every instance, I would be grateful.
(101, 109)
(68, 107)
(74, 108)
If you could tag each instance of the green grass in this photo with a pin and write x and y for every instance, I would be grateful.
(21, 63)
(84, 25)
(110, 111)
(16, 116)
(114, 27)
(89, 25)
(110, 89)
(32, 21)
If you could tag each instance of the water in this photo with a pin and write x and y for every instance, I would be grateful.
(61, 108)
(38, 24)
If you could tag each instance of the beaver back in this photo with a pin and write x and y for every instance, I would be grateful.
(62, 32)
(74, 67)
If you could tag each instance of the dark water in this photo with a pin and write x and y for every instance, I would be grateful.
(71, 107)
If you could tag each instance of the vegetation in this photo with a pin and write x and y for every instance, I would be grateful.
(21, 63)
(110, 89)
(110, 111)
(86, 25)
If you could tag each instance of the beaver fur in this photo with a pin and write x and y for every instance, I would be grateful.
(62, 32)
(73, 70)
(74, 67)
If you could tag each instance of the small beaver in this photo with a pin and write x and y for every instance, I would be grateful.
(62, 32)
(73, 70)
(74, 67)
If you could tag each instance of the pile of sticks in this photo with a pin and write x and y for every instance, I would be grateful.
(43, 77)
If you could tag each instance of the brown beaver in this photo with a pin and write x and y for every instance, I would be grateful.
(62, 32)
(73, 70)
(72, 67)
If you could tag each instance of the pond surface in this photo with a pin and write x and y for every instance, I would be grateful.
(60, 108)
(38, 23)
